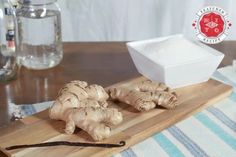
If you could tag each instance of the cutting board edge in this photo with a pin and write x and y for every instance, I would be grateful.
(6, 152)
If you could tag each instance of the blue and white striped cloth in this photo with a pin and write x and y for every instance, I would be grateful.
(211, 132)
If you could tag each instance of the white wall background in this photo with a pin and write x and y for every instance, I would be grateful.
(115, 20)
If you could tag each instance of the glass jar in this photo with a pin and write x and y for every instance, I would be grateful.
(39, 43)
(8, 66)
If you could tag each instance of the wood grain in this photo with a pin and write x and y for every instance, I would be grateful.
(135, 127)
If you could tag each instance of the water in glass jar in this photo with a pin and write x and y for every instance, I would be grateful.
(39, 37)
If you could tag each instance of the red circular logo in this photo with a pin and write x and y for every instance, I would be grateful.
(211, 24)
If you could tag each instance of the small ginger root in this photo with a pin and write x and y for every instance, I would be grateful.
(148, 85)
(95, 121)
(138, 100)
(145, 96)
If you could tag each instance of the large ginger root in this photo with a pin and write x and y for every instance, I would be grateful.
(81, 90)
(59, 107)
(145, 96)
(78, 94)
(95, 121)
(85, 107)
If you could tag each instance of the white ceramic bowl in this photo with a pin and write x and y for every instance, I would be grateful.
(174, 60)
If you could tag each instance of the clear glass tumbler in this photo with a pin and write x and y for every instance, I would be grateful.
(39, 43)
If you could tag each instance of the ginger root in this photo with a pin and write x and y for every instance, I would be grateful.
(145, 96)
(78, 94)
(81, 90)
(148, 85)
(95, 121)
(85, 106)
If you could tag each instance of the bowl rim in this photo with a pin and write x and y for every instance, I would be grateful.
(215, 53)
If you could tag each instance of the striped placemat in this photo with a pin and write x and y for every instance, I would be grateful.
(211, 132)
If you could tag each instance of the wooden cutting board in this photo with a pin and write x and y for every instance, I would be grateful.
(134, 128)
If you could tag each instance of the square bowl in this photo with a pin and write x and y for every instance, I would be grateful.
(174, 60)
